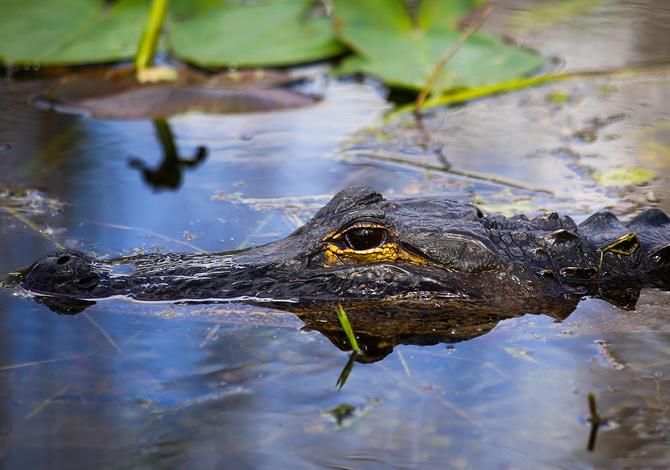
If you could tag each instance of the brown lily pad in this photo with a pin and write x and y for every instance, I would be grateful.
(161, 93)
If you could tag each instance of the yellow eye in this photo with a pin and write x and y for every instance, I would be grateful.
(365, 238)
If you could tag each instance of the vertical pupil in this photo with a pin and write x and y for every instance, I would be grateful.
(364, 238)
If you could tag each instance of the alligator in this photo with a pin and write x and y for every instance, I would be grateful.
(364, 247)
(402, 267)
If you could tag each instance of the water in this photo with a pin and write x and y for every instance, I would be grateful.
(122, 386)
(173, 386)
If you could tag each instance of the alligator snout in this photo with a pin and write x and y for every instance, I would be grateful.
(63, 272)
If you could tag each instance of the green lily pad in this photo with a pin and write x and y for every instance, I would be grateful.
(203, 32)
(274, 33)
(403, 52)
(629, 176)
(28, 28)
(70, 32)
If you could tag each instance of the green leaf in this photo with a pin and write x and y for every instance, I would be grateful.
(71, 32)
(112, 37)
(30, 28)
(452, 10)
(404, 53)
(274, 33)
(204, 32)
(346, 326)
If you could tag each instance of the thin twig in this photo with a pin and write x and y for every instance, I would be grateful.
(596, 421)
(210, 335)
(104, 333)
(149, 232)
(33, 226)
(38, 363)
(45, 403)
(404, 364)
(449, 54)
(399, 158)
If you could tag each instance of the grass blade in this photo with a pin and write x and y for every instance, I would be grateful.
(342, 379)
(346, 326)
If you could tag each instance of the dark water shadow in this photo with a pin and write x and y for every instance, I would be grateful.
(169, 174)
(381, 326)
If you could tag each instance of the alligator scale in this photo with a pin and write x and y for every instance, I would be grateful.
(361, 246)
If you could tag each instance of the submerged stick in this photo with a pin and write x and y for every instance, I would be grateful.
(404, 364)
(39, 363)
(44, 404)
(596, 421)
(210, 335)
(104, 333)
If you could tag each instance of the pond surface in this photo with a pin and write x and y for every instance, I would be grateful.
(127, 385)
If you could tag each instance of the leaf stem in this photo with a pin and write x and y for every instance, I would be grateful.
(152, 33)
(469, 94)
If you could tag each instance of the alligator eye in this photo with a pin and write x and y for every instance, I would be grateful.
(364, 238)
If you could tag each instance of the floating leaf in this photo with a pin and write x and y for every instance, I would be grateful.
(273, 33)
(70, 32)
(204, 32)
(402, 52)
(119, 94)
(625, 176)
(29, 28)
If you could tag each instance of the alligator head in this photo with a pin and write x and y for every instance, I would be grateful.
(363, 247)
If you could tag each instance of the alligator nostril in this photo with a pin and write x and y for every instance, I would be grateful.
(63, 259)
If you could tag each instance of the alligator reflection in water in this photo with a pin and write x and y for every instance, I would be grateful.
(382, 325)
(428, 267)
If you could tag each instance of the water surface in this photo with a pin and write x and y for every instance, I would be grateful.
(126, 385)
